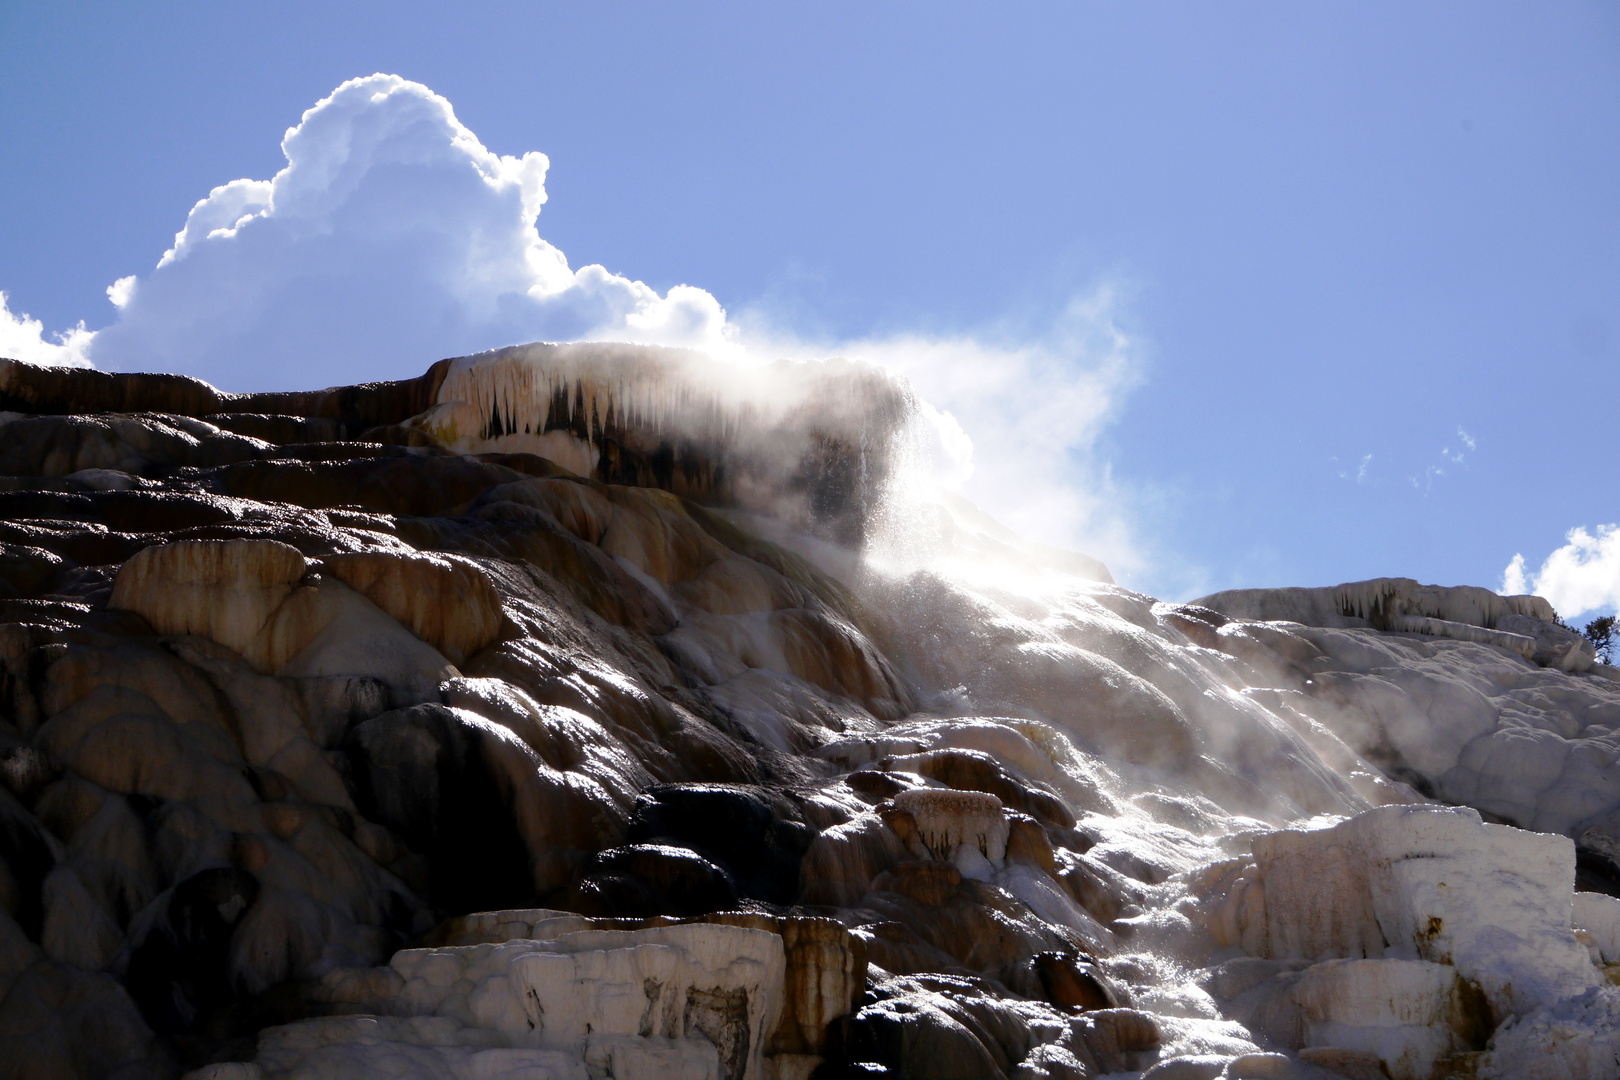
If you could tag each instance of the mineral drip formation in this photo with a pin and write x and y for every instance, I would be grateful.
(548, 715)
(810, 442)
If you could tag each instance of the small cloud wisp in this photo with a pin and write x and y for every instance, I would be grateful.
(1431, 473)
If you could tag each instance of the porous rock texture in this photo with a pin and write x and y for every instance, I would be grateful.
(577, 711)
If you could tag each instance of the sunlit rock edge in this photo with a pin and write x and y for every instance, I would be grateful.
(588, 711)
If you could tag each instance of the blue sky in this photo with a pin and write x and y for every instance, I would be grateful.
(1329, 291)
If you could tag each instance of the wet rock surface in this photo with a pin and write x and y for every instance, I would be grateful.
(511, 721)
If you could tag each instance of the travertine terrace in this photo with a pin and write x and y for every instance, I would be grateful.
(544, 716)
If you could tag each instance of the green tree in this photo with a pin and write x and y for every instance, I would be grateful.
(1600, 632)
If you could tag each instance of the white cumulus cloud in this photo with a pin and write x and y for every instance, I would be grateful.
(392, 237)
(1581, 576)
(121, 290)
(23, 338)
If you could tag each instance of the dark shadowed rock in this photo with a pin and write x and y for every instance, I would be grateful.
(1072, 982)
(365, 405)
(652, 879)
(421, 772)
(60, 1023)
(179, 971)
(29, 852)
(35, 389)
(393, 483)
(284, 430)
(754, 833)
(913, 1036)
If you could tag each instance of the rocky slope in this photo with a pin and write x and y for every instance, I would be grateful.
(542, 716)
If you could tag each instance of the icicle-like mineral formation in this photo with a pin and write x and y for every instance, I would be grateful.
(1378, 603)
(811, 441)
